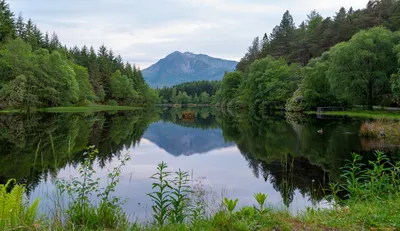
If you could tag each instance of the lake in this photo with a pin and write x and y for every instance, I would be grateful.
(227, 153)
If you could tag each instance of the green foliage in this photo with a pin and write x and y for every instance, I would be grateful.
(296, 102)
(190, 92)
(56, 76)
(108, 214)
(160, 196)
(179, 197)
(85, 88)
(12, 95)
(315, 86)
(122, 88)
(354, 175)
(204, 98)
(230, 85)
(360, 69)
(379, 181)
(230, 204)
(271, 83)
(261, 198)
(15, 212)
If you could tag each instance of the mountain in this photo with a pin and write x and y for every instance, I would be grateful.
(180, 67)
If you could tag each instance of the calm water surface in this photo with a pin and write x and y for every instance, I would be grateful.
(233, 155)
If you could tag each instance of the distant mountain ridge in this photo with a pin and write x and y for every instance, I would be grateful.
(180, 67)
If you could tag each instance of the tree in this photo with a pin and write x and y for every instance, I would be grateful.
(64, 73)
(7, 23)
(16, 59)
(46, 41)
(315, 86)
(395, 78)
(281, 37)
(252, 54)
(20, 27)
(196, 98)
(173, 95)
(105, 69)
(360, 69)
(205, 98)
(122, 88)
(85, 88)
(12, 95)
(230, 85)
(94, 75)
(271, 82)
(54, 42)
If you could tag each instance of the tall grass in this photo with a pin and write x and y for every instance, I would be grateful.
(381, 129)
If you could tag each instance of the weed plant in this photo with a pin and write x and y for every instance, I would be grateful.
(81, 212)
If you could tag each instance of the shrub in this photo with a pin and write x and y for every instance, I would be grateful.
(112, 103)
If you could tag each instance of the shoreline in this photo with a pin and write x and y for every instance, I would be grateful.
(360, 114)
(94, 108)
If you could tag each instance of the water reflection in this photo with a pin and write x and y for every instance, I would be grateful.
(281, 155)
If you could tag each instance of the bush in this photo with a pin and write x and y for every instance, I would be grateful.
(296, 103)
(84, 103)
(112, 103)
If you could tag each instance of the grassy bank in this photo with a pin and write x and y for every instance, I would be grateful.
(94, 108)
(372, 203)
(362, 114)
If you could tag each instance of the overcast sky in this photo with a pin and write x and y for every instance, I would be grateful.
(144, 31)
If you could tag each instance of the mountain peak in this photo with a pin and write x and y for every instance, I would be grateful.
(179, 67)
(175, 53)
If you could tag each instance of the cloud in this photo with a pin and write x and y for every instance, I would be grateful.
(221, 28)
(238, 7)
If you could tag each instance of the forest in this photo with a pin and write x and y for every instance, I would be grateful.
(349, 59)
(197, 92)
(37, 71)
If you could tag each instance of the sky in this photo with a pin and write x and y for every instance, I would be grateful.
(144, 31)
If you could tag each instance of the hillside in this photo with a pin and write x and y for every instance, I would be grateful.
(180, 67)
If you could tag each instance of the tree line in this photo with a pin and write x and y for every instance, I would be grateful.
(350, 59)
(36, 70)
(197, 92)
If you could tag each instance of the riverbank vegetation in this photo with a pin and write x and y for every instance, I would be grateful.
(37, 71)
(377, 114)
(381, 129)
(371, 201)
